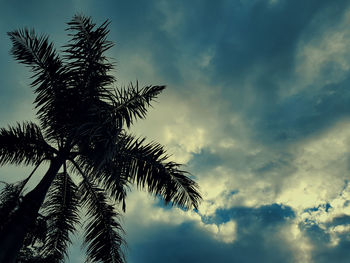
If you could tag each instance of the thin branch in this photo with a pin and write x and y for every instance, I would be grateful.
(30, 175)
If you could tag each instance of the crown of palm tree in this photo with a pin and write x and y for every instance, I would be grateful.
(82, 131)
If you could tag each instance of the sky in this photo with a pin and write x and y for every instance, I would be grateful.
(256, 108)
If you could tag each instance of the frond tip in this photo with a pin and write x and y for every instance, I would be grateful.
(181, 191)
(49, 75)
(132, 102)
(23, 143)
(61, 208)
(103, 230)
(147, 166)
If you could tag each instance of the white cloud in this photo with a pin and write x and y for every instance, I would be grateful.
(300, 244)
(312, 174)
(142, 211)
(322, 169)
(330, 46)
(227, 232)
(184, 123)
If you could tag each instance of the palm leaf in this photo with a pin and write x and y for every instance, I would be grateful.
(61, 209)
(103, 230)
(147, 166)
(132, 102)
(9, 200)
(87, 63)
(33, 243)
(23, 143)
(49, 77)
(89, 78)
(107, 175)
(37, 233)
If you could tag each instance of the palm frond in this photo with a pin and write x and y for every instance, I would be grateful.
(9, 201)
(37, 233)
(99, 131)
(30, 255)
(49, 76)
(10, 198)
(108, 175)
(86, 60)
(90, 79)
(104, 120)
(23, 143)
(61, 209)
(147, 166)
(132, 102)
(103, 232)
(31, 251)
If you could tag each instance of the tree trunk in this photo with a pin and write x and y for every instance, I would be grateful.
(13, 234)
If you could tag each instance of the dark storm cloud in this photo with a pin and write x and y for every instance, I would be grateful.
(263, 164)
(339, 253)
(306, 113)
(255, 218)
(137, 29)
(256, 231)
(340, 220)
(325, 207)
(324, 251)
(250, 42)
(205, 160)
(265, 34)
(315, 233)
(242, 35)
(258, 48)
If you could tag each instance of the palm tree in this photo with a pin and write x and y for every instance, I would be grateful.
(83, 137)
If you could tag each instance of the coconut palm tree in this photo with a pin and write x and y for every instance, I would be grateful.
(82, 135)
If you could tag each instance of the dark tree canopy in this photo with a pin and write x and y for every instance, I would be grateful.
(82, 134)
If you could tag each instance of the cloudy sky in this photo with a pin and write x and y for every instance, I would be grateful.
(257, 107)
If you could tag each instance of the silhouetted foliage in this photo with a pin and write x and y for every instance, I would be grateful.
(82, 134)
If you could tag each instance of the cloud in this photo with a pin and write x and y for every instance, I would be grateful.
(322, 169)
(244, 231)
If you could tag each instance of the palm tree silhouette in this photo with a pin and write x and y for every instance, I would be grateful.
(83, 131)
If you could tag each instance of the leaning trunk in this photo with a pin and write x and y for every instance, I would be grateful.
(13, 234)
